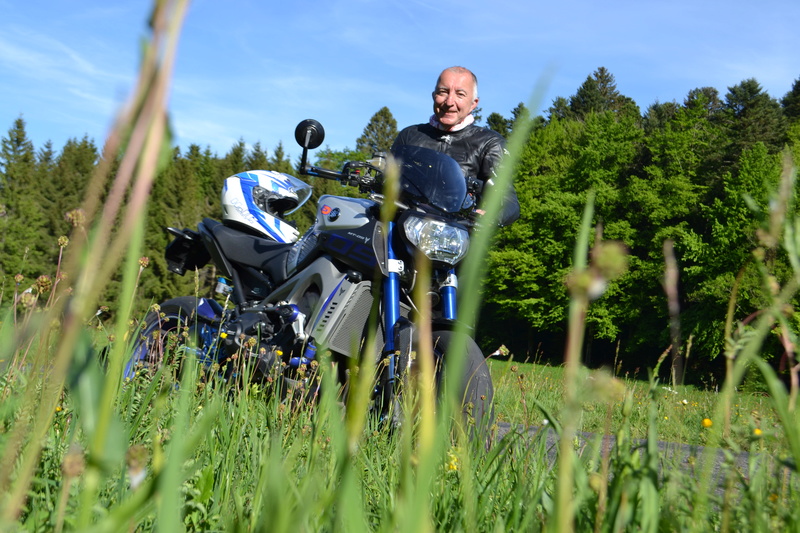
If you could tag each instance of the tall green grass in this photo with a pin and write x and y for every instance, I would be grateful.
(83, 450)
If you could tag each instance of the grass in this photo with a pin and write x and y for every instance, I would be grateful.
(83, 450)
(685, 413)
(209, 457)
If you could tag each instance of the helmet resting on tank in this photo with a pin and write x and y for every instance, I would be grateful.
(258, 200)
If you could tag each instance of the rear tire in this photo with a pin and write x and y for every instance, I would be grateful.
(163, 332)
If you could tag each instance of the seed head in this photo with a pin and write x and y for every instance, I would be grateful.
(76, 217)
(44, 284)
(136, 459)
(74, 462)
(27, 299)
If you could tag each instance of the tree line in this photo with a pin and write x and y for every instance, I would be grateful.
(698, 173)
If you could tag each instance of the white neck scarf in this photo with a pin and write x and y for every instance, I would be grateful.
(469, 119)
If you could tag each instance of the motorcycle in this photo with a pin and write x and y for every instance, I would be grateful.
(293, 297)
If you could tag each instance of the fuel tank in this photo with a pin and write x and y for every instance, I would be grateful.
(346, 228)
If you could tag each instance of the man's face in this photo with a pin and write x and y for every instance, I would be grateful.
(453, 98)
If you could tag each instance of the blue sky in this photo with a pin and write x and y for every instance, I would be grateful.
(251, 70)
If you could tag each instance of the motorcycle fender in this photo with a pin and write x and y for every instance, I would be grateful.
(185, 252)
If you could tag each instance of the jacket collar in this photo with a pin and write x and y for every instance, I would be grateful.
(469, 119)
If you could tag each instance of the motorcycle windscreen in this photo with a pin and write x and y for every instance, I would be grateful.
(431, 177)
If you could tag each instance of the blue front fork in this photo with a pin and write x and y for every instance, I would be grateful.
(448, 291)
(391, 300)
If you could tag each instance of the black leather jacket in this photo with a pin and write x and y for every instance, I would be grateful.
(477, 150)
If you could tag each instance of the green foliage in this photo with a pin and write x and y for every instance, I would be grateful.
(379, 133)
(699, 174)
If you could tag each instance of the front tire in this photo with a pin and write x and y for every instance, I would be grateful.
(474, 385)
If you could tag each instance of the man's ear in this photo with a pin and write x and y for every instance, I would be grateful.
(474, 104)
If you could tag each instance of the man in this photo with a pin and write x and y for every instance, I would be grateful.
(451, 130)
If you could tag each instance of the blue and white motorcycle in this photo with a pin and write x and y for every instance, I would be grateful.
(292, 298)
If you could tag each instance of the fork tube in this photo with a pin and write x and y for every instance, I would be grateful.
(448, 291)
(391, 300)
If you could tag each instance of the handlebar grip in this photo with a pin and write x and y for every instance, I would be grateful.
(475, 185)
(324, 173)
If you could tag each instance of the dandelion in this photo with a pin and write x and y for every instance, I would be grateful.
(757, 432)
(452, 463)
(707, 423)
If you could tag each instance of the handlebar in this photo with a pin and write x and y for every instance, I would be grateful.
(359, 174)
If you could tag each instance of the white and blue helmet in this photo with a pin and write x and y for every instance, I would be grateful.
(259, 199)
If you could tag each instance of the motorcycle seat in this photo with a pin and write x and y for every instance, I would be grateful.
(251, 250)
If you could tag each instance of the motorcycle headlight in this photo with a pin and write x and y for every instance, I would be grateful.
(437, 239)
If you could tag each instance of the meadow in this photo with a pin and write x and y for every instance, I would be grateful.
(173, 449)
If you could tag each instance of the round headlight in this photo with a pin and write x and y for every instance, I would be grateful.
(437, 239)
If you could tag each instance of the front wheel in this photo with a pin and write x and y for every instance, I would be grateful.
(474, 385)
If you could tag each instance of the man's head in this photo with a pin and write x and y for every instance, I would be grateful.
(455, 96)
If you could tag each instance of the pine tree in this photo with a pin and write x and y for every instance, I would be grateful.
(499, 123)
(176, 201)
(279, 161)
(658, 115)
(204, 165)
(379, 134)
(235, 160)
(559, 110)
(73, 170)
(256, 158)
(599, 93)
(791, 102)
(22, 243)
(588, 99)
(707, 98)
(751, 115)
